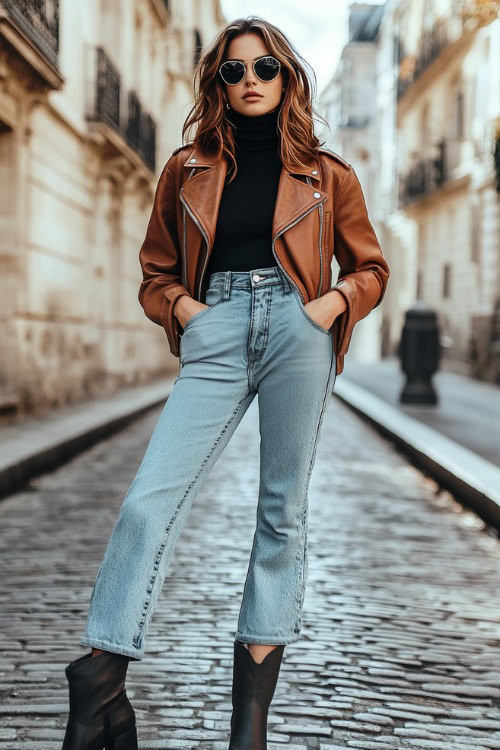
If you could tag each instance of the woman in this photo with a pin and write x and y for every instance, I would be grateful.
(237, 269)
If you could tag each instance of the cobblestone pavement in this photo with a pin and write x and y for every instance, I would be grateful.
(400, 646)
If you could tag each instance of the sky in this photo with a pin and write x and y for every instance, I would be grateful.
(318, 34)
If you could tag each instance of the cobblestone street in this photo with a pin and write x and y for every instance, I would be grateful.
(400, 646)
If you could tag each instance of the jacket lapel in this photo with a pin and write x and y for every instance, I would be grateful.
(203, 190)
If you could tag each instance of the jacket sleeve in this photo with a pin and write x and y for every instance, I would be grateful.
(364, 272)
(160, 257)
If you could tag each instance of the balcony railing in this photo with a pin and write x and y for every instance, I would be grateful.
(133, 128)
(424, 177)
(39, 20)
(443, 164)
(147, 147)
(131, 122)
(432, 43)
(107, 92)
(141, 130)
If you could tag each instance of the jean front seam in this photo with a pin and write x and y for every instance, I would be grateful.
(304, 518)
(140, 632)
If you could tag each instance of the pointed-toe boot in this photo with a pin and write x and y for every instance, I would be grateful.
(253, 689)
(101, 716)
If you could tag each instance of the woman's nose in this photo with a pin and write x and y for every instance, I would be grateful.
(251, 77)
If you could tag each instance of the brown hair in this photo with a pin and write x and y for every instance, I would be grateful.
(295, 121)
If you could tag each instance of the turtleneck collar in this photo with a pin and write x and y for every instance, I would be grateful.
(257, 132)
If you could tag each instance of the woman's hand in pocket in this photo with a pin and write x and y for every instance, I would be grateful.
(325, 309)
(185, 307)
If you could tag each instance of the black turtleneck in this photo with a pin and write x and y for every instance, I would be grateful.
(243, 233)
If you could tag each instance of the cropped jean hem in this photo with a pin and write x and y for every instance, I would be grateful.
(266, 640)
(105, 646)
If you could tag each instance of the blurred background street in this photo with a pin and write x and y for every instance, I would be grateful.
(468, 411)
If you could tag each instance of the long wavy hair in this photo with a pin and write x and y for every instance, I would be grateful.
(215, 133)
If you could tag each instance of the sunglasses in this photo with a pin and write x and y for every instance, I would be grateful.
(265, 68)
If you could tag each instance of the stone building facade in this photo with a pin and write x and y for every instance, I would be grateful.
(92, 100)
(349, 104)
(415, 106)
(448, 110)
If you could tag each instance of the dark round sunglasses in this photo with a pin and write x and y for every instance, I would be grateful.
(265, 68)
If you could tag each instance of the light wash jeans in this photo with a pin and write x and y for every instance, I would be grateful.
(255, 337)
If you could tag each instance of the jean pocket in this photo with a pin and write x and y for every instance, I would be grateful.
(213, 298)
(311, 322)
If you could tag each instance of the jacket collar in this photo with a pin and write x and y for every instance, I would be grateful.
(203, 192)
(198, 158)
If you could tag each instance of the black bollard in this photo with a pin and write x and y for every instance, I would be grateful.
(419, 352)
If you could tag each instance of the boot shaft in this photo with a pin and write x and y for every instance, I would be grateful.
(253, 689)
(95, 682)
(253, 680)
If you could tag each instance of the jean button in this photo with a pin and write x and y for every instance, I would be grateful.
(256, 277)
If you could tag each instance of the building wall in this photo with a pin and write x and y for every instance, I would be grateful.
(456, 98)
(75, 200)
(443, 243)
(349, 104)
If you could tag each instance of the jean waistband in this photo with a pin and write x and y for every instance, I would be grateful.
(255, 278)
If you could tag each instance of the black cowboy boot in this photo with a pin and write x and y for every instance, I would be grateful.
(253, 689)
(100, 714)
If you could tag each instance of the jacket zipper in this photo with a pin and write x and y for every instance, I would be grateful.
(321, 210)
(313, 208)
(321, 214)
(184, 238)
(186, 207)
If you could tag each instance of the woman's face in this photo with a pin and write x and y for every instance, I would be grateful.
(247, 47)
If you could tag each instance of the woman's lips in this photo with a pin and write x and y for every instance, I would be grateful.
(252, 97)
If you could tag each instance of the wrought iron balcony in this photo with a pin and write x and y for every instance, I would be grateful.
(432, 43)
(147, 147)
(104, 91)
(448, 161)
(424, 177)
(135, 126)
(141, 130)
(39, 20)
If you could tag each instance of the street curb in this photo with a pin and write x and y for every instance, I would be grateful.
(472, 479)
(41, 445)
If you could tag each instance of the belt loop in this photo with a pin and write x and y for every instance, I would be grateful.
(286, 283)
(226, 294)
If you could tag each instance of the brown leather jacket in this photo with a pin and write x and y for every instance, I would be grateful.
(320, 212)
